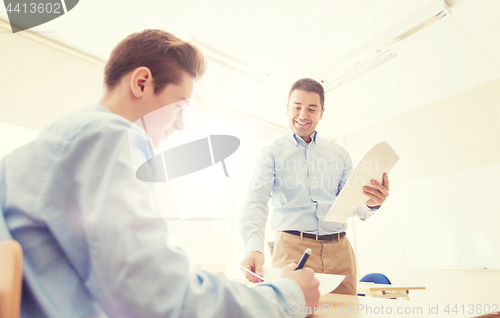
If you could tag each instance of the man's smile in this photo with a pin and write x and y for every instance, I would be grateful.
(302, 123)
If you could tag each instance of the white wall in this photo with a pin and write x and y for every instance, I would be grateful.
(39, 84)
(457, 133)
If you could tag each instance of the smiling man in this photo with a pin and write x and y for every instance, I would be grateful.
(303, 174)
(304, 110)
(92, 242)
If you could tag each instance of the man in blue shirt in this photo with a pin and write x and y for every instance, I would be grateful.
(303, 174)
(91, 244)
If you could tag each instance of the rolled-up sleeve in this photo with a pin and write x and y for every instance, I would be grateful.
(255, 208)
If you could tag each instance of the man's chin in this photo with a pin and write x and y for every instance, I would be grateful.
(163, 139)
(301, 129)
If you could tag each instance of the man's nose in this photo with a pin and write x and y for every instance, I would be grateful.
(303, 113)
(179, 122)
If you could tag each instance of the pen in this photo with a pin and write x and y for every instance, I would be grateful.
(304, 258)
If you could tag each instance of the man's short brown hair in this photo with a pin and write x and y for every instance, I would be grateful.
(161, 52)
(309, 85)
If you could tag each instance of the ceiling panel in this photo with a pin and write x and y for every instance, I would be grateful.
(431, 40)
(489, 41)
(497, 62)
(476, 16)
(398, 84)
(455, 60)
(355, 8)
(394, 66)
(355, 105)
(387, 14)
(277, 30)
(422, 96)
(335, 46)
(471, 77)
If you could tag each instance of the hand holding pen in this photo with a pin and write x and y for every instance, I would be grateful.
(305, 278)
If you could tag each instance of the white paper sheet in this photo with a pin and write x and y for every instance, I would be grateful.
(327, 282)
(252, 273)
(381, 158)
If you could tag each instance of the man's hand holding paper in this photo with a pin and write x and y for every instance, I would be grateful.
(378, 194)
(368, 180)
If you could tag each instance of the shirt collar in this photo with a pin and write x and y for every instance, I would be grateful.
(98, 107)
(295, 138)
(313, 136)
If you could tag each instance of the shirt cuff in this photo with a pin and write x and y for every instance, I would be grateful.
(254, 245)
(293, 295)
(367, 212)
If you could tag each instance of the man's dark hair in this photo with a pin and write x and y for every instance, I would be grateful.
(309, 85)
(161, 52)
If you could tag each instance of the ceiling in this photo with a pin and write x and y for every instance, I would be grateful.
(295, 39)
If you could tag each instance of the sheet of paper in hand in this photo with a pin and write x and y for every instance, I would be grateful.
(327, 282)
(381, 158)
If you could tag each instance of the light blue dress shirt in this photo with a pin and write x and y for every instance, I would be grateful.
(303, 181)
(71, 198)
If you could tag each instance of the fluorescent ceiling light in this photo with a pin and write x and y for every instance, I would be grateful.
(373, 54)
(361, 69)
(230, 61)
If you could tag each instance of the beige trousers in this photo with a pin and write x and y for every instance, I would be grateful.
(329, 257)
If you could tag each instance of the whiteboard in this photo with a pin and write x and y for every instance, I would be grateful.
(451, 221)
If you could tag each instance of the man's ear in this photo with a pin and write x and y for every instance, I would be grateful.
(322, 111)
(141, 81)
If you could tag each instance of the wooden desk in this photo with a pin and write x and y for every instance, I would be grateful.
(385, 290)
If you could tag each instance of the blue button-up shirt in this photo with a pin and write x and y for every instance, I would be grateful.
(91, 247)
(303, 181)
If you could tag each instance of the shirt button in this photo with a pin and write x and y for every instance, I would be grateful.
(321, 230)
(310, 163)
(312, 181)
(319, 212)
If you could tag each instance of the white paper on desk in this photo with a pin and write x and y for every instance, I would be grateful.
(381, 158)
(327, 282)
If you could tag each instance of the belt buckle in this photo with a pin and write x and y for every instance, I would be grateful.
(317, 237)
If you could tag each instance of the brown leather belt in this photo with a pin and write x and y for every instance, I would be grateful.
(329, 237)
